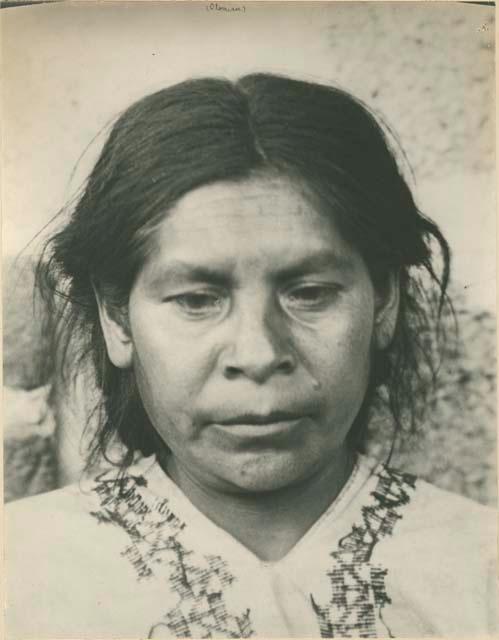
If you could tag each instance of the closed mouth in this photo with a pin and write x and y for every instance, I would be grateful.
(261, 419)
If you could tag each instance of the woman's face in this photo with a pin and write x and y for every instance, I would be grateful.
(251, 329)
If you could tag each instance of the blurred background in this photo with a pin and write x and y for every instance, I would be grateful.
(426, 68)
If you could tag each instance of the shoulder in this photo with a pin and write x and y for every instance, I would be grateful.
(454, 532)
(40, 537)
(421, 506)
(54, 502)
(45, 533)
(66, 519)
(60, 527)
(413, 517)
(420, 511)
(440, 553)
(60, 559)
(432, 509)
(34, 524)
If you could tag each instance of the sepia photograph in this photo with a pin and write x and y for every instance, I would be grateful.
(249, 320)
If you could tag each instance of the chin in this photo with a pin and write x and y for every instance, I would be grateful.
(270, 472)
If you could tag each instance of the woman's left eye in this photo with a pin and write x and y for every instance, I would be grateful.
(311, 296)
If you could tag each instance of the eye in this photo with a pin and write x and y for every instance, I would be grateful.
(312, 297)
(198, 303)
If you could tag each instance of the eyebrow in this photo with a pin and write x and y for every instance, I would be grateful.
(319, 261)
(186, 271)
(221, 275)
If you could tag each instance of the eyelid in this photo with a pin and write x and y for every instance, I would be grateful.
(193, 291)
(314, 284)
(327, 293)
(213, 307)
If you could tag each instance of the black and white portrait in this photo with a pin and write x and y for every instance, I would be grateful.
(249, 320)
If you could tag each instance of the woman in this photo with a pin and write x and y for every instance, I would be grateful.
(245, 269)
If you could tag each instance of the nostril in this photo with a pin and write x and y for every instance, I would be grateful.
(286, 366)
(257, 354)
(231, 372)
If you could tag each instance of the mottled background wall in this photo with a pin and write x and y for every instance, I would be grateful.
(426, 68)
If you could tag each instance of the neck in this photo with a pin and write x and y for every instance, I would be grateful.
(269, 524)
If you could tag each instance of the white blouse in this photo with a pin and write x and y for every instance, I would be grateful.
(133, 558)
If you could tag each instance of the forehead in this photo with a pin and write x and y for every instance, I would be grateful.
(256, 220)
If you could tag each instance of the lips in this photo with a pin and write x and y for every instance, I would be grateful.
(261, 419)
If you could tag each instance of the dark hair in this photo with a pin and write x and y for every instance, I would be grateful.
(207, 130)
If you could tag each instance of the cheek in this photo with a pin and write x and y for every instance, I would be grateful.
(170, 372)
(167, 390)
(338, 351)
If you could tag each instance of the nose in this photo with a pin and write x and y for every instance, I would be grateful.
(259, 346)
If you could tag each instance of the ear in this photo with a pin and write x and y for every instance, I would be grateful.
(387, 309)
(116, 333)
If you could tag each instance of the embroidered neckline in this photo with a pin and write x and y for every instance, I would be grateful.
(200, 582)
(155, 549)
(160, 484)
(358, 590)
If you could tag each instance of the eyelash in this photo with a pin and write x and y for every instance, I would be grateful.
(325, 294)
(191, 303)
(186, 300)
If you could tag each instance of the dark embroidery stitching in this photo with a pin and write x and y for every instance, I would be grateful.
(358, 592)
(199, 581)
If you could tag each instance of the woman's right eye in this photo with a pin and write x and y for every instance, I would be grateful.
(198, 303)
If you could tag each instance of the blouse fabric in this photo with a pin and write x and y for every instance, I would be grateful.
(132, 557)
